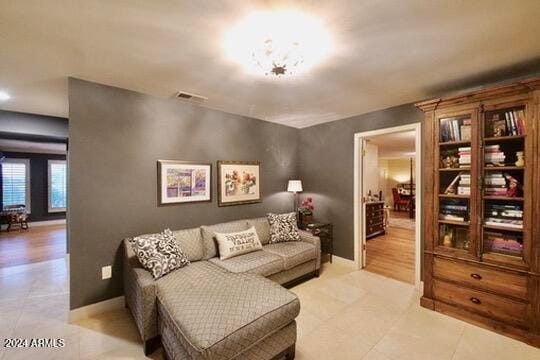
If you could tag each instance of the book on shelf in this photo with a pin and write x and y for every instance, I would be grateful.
(514, 224)
(510, 216)
(450, 217)
(455, 130)
(503, 243)
(509, 123)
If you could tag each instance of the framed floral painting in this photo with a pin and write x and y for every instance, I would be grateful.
(239, 182)
(184, 182)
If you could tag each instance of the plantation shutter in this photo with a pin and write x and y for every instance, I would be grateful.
(15, 182)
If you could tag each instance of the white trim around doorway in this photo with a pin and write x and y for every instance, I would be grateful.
(359, 239)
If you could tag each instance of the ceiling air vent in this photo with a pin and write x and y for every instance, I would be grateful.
(189, 96)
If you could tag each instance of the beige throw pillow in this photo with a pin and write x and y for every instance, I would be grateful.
(237, 243)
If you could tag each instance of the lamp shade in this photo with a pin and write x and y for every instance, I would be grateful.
(294, 186)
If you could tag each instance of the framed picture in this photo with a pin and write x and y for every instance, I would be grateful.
(239, 182)
(184, 182)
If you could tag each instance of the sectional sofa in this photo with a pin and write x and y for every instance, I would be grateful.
(237, 308)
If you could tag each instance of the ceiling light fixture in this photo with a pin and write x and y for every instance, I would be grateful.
(4, 96)
(278, 43)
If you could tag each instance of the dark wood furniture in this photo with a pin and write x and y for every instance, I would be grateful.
(325, 232)
(482, 233)
(400, 202)
(374, 219)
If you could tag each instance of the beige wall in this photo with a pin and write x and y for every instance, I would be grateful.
(392, 172)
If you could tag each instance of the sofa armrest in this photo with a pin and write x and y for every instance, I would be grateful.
(314, 240)
(140, 293)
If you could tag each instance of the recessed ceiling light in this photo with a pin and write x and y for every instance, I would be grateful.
(278, 43)
(4, 96)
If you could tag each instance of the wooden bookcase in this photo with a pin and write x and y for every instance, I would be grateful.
(482, 208)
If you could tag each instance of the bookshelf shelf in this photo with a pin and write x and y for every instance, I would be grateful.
(455, 169)
(502, 228)
(504, 198)
(457, 223)
(453, 196)
(455, 143)
(502, 168)
(503, 138)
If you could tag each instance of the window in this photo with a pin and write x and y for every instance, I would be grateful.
(16, 182)
(57, 185)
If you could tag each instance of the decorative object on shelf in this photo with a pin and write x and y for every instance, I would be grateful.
(514, 187)
(447, 240)
(295, 186)
(325, 232)
(520, 159)
(450, 160)
(305, 211)
(184, 181)
(239, 182)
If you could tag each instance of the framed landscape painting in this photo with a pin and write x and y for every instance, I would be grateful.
(239, 182)
(184, 182)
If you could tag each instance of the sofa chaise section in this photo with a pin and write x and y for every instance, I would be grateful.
(215, 314)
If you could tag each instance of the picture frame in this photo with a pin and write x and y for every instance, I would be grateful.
(181, 182)
(239, 182)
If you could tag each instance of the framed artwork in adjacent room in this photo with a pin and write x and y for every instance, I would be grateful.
(239, 182)
(184, 182)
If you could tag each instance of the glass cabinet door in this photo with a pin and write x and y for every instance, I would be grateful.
(505, 191)
(455, 206)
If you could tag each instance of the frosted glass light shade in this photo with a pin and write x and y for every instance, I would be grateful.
(294, 186)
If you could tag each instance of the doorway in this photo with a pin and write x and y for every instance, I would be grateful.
(387, 202)
(33, 200)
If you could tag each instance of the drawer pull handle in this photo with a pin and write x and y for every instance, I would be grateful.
(475, 301)
(476, 276)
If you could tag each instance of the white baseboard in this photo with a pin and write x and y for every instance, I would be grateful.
(88, 311)
(48, 222)
(342, 261)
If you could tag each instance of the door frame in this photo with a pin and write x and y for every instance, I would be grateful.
(359, 224)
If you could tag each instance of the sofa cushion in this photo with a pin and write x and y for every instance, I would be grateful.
(216, 314)
(258, 262)
(191, 243)
(209, 241)
(237, 243)
(262, 227)
(283, 227)
(159, 253)
(293, 252)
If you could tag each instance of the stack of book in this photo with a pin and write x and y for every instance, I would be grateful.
(455, 130)
(453, 211)
(510, 216)
(494, 155)
(464, 185)
(503, 243)
(509, 123)
(464, 154)
(495, 184)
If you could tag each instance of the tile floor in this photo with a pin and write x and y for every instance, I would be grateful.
(345, 314)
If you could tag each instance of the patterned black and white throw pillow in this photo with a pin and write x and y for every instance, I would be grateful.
(159, 253)
(283, 227)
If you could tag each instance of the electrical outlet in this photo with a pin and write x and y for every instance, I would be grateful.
(106, 272)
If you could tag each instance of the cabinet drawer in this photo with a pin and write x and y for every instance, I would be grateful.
(481, 277)
(489, 305)
(375, 221)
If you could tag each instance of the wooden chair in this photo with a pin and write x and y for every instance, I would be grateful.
(399, 203)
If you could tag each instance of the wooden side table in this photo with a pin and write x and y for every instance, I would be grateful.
(325, 232)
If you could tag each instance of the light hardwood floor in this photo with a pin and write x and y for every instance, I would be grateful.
(36, 244)
(392, 254)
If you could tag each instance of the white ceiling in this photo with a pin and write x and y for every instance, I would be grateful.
(395, 145)
(32, 147)
(387, 52)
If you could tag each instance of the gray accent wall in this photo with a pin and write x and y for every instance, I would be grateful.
(326, 154)
(116, 137)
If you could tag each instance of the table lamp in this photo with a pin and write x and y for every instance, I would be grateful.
(295, 186)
